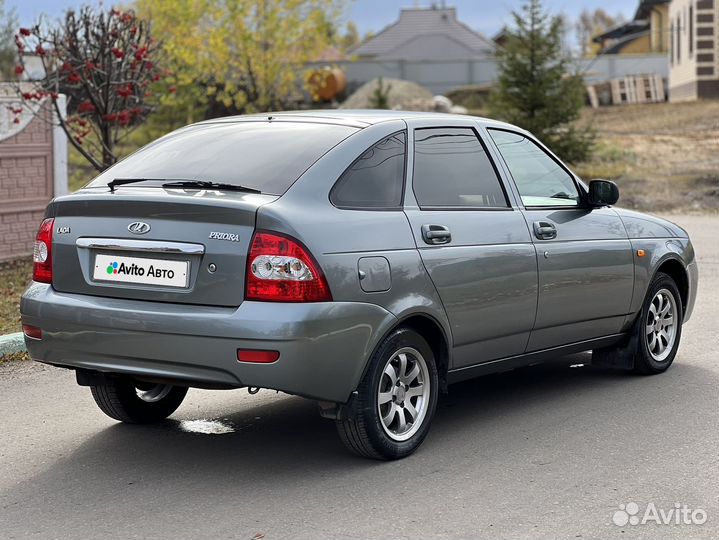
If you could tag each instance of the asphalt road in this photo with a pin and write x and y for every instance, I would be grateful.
(544, 452)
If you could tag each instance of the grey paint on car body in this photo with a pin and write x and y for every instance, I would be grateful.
(495, 292)
(197, 346)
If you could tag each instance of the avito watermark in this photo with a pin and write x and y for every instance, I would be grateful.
(679, 514)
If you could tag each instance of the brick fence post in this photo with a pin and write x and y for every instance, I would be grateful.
(33, 170)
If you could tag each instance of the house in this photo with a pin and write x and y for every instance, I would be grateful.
(500, 38)
(424, 34)
(694, 50)
(433, 48)
(646, 33)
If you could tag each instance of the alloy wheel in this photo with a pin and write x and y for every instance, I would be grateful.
(403, 393)
(154, 393)
(661, 325)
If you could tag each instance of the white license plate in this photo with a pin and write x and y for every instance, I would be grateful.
(121, 269)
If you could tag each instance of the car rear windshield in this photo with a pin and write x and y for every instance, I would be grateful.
(267, 156)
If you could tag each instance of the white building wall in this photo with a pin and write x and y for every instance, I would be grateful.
(694, 50)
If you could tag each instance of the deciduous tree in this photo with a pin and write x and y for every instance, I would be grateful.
(106, 63)
(351, 37)
(243, 55)
(589, 25)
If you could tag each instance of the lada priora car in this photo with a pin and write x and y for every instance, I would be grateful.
(363, 259)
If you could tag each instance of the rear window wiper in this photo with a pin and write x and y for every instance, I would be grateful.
(204, 184)
(123, 181)
(179, 183)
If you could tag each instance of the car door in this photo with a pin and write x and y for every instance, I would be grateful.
(584, 257)
(473, 242)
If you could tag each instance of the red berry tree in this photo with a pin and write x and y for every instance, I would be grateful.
(105, 62)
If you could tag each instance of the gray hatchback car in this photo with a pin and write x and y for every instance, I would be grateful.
(362, 259)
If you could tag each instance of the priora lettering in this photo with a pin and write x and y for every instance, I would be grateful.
(232, 237)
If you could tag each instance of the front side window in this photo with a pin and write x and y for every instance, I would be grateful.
(375, 179)
(452, 169)
(541, 181)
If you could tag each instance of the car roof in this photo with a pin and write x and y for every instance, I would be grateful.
(359, 118)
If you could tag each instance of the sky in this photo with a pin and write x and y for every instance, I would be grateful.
(486, 16)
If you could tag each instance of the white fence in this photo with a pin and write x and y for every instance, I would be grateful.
(613, 66)
(441, 76)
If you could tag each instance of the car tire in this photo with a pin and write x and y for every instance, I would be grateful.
(396, 400)
(122, 400)
(658, 329)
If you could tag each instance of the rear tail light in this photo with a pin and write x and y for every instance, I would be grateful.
(280, 269)
(42, 253)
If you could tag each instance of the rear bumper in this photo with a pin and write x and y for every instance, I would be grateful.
(323, 346)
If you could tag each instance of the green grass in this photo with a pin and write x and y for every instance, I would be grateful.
(15, 276)
(608, 161)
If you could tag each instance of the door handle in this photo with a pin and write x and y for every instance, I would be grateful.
(436, 234)
(544, 230)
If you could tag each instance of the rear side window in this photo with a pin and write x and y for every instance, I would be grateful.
(268, 156)
(452, 169)
(376, 178)
(541, 181)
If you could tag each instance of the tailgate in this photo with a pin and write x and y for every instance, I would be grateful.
(154, 244)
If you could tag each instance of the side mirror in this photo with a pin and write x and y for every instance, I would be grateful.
(603, 193)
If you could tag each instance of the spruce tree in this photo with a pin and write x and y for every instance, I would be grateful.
(535, 89)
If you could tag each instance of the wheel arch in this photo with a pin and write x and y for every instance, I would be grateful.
(429, 328)
(433, 332)
(675, 269)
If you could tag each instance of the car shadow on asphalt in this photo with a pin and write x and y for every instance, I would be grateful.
(285, 443)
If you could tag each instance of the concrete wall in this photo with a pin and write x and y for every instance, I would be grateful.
(441, 76)
(33, 169)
